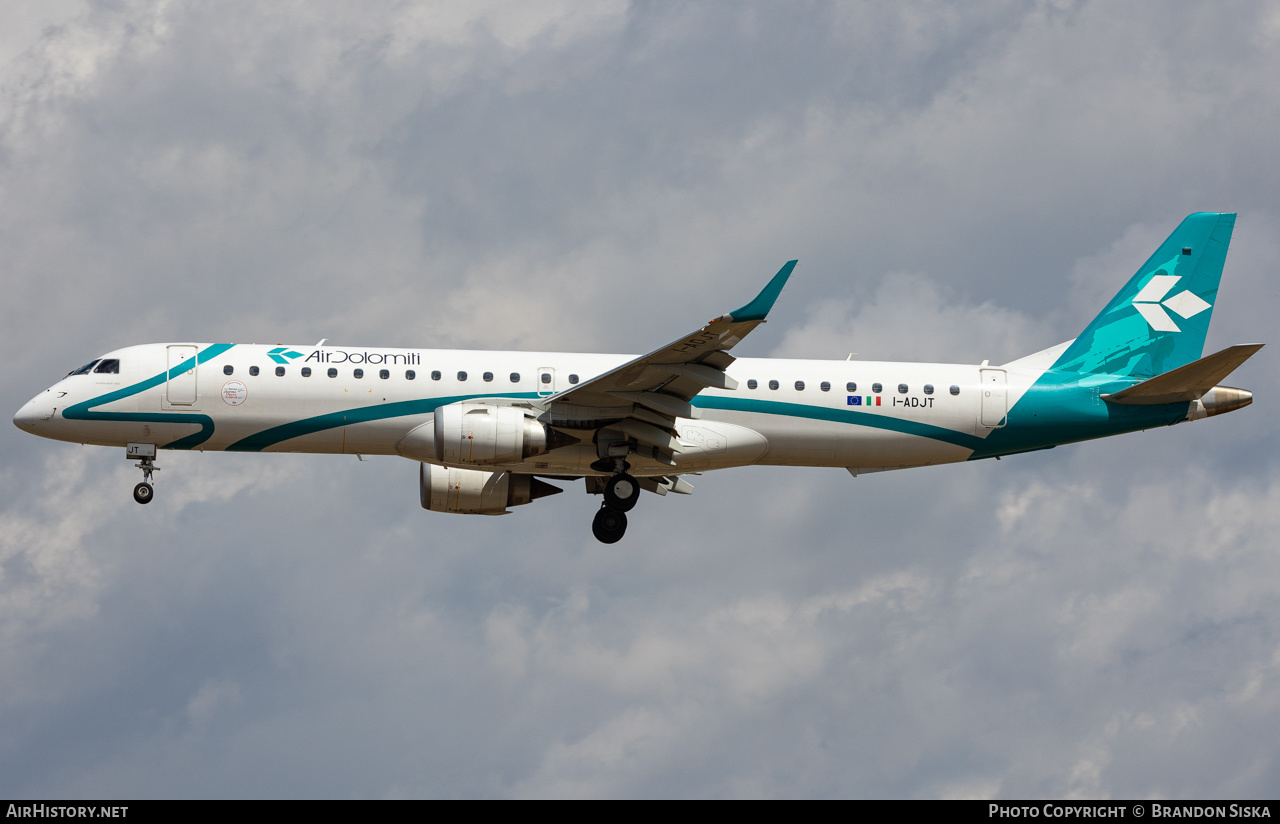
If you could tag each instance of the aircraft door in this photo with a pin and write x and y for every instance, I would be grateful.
(995, 398)
(181, 389)
(546, 381)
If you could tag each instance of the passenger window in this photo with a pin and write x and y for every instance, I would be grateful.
(573, 379)
(384, 374)
(546, 378)
(488, 377)
(84, 370)
(515, 377)
(955, 390)
(306, 371)
(279, 371)
(435, 376)
(462, 376)
(751, 384)
(333, 373)
(851, 386)
(825, 386)
(799, 386)
(902, 389)
(253, 371)
(357, 373)
(228, 369)
(877, 388)
(928, 389)
(773, 384)
(409, 374)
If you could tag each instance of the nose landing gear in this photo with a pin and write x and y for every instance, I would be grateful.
(143, 492)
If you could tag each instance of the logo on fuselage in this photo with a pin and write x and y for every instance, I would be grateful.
(1151, 302)
(343, 356)
(281, 352)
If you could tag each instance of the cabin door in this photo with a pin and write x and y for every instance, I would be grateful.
(181, 390)
(995, 398)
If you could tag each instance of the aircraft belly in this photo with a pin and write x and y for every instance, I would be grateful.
(118, 433)
(711, 444)
(806, 442)
(568, 460)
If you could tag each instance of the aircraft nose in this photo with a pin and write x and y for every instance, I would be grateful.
(30, 416)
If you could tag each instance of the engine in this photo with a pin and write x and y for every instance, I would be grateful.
(476, 491)
(477, 433)
(481, 433)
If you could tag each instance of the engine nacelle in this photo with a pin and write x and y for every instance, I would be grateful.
(477, 433)
(476, 491)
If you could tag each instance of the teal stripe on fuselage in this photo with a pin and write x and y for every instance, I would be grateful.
(840, 415)
(347, 417)
(360, 414)
(83, 411)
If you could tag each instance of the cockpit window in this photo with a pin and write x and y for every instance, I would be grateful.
(107, 366)
(83, 370)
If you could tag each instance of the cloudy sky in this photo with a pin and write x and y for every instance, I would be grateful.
(958, 183)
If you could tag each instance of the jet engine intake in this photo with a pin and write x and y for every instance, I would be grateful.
(476, 491)
(479, 433)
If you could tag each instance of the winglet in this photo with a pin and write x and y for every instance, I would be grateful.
(758, 308)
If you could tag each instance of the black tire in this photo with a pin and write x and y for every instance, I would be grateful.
(143, 493)
(621, 492)
(609, 525)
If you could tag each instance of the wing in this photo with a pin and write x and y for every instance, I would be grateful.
(641, 399)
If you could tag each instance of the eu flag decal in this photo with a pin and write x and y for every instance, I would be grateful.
(855, 400)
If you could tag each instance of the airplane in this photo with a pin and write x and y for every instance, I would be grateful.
(494, 430)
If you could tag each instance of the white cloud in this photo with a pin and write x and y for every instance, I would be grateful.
(911, 317)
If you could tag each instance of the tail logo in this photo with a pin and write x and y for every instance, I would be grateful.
(1151, 303)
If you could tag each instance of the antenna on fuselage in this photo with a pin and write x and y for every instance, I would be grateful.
(321, 343)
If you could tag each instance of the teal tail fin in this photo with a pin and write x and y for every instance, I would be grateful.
(1158, 321)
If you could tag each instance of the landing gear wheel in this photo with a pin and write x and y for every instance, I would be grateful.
(609, 525)
(143, 493)
(621, 492)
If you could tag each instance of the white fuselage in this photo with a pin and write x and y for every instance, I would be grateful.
(856, 414)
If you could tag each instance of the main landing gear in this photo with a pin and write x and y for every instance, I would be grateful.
(143, 492)
(609, 525)
(621, 492)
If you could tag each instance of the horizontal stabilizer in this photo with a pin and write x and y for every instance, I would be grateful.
(1186, 383)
